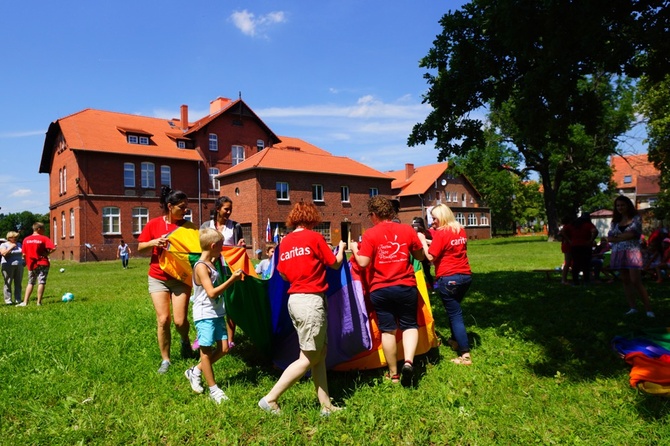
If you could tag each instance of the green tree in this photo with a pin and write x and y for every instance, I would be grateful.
(546, 75)
(22, 223)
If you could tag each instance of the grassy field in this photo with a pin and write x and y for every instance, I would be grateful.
(544, 373)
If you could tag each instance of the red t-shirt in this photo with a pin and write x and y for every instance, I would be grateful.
(303, 257)
(389, 246)
(155, 228)
(450, 252)
(36, 249)
(581, 234)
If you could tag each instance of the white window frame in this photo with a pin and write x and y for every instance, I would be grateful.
(283, 191)
(344, 194)
(62, 224)
(188, 215)
(213, 142)
(128, 174)
(181, 144)
(214, 183)
(111, 220)
(260, 144)
(133, 139)
(627, 179)
(55, 233)
(148, 175)
(144, 140)
(166, 175)
(472, 219)
(72, 222)
(64, 179)
(460, 218)
(237, 154)
(60, 181)
(140, 218)
(374, 192)
(483, 220)
(317, 192)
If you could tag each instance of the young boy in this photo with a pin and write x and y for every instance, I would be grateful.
(263, 267)
(209, 313)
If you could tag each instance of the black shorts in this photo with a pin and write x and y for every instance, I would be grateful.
(396, 306)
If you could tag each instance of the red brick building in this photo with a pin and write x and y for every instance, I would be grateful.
(419, 188)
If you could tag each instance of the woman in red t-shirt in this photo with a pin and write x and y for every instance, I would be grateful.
(165, 289)
(303, 257)
(387, 249)
(449, 252)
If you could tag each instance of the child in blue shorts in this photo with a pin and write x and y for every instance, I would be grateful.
(209, 314)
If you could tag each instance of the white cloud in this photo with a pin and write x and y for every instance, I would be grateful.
(256, 26)
(21, 193)
(22, 134)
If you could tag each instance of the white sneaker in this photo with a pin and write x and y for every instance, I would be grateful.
(217, 396)
(194, 380)
(165, 366)
(650, 314)
(631, 311)
(22, 304)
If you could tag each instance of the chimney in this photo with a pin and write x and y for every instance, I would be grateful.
(218, 104)
(184, 117)
(409, 170)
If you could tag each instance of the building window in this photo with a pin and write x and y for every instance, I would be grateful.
(64, 179)
(437, 196)
(148, 176)
(344, 191)
(237, 153)
(144, 140)
(55, 233)
(188, 215)
(282, 190)
(132, 139)
(454, 197)
(317, 192)
(111, 220)
(71, 222)
(483, 220)
(62, 224)
(246, 233)
(627, 179)
(460, 218)
(60, 181)
(260, 144)
(374, 192)
(214, 183)
(181, 144)
(140, 219)
(213, 142)
(323, 228)
(166, 176)
(472, 220)
(128, 175)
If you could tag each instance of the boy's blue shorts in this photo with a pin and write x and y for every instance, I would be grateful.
(210, 331)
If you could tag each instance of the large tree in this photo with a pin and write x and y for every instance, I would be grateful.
(549, 78)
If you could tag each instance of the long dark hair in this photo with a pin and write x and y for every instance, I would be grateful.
(169, 196)
(630, 209)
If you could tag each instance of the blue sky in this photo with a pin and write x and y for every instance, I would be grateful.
(340, 74)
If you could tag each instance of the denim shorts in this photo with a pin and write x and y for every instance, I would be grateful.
(308, 313)
(396, 306)
(210, 331)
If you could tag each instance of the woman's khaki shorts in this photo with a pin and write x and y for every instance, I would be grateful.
(173, 286)
(308, 313)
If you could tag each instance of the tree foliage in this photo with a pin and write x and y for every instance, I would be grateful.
(22, 223)
(548, 77)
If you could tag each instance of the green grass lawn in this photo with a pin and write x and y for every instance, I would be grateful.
(544, 372)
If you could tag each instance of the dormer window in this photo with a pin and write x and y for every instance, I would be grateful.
(144, 140)
(260, 144)
(181, 144)
(133, 139)
(627, 179)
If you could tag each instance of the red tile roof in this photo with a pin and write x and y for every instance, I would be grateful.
(421, 179)
(103, 131)
(296, 155)
(636, 166)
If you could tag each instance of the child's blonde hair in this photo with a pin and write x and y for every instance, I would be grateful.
(208, 237)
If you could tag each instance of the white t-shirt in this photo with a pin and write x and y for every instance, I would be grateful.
(203, 306)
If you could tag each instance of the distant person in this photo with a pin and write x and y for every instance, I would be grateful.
(263, 267)
(624, 235)
(163, 288)
(12, 268)
(36, 250)
(581, 234)
(598, 258)
(209, 314)
(449, 253)
(386, 249)
(566, 224)
(303, 258)
(123, 252)
(419, 226)
(232, 236)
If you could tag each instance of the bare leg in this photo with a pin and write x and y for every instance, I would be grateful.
(390, 349)
(180, 315)
(40, 292)
(292, 374)
(29, 291)
(161, 301)
(637, 285)
(208, 356)
(320, 380)
(410, 339)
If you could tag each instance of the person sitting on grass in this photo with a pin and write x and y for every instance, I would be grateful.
(209, 314)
